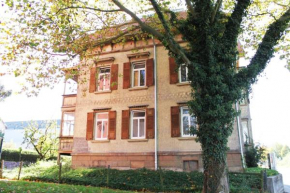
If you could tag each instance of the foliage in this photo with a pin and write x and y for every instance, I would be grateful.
(259, 170)
(245, 182)
(37, 187)
(45, 29)
(4, 94)
(254, 155)
(43, 138)
(285, 162)
(14, 155)
(280, 150)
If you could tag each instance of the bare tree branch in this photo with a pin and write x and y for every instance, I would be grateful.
(142, 24)
(217, 7)
(173, 45)
(98, 43)
(265, 50)
(190, 7)
(89, 8)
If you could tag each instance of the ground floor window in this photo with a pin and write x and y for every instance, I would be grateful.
(101, 126)
(187, 121)
(137, 124)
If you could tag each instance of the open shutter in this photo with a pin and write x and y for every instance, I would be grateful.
(175, 126)
(112, 125)
(90, 126)
(172, 70)
(125, 124)
(150, 72)
(150, 123)
(92, 87)
(114, 77)
(126, 75)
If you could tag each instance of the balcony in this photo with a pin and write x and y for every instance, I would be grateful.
(65, 145)
(69, 101)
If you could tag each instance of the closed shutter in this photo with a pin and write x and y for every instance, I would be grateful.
(126, 75)
(90, 126)
(150, 72)
(175, 126)
(112, 125)
(172, 70)
(114, 77)
(125, 124)
(92, 87)
(150, 123)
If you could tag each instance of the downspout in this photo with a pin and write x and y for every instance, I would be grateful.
(156, 105)
(240, 137)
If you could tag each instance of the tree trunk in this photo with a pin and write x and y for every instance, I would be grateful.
(216, 178)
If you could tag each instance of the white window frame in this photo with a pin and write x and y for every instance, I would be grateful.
(179, 74)
(70, 123)
(139, 74)
(96, 126)
(104, 74)
(181, 122)
(137, 118)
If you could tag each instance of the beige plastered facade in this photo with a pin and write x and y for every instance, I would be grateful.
(173, 152)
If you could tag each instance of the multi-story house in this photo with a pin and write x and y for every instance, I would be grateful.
(132, 112)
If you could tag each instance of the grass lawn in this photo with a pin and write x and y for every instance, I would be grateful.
(36, 187)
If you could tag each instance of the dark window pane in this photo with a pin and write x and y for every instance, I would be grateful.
(183, 73)
(142, 77)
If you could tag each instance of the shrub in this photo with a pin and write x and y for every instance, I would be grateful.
(258, 170)
(14, 155)
(143, 179)
(254, 155)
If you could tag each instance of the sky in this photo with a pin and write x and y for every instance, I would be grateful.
(19, 107)
(270, 105)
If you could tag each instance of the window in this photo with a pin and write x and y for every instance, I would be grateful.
(183, 73)
(138, 73)
(137, 124)
(104, 79)
(245, 129)
(187, 121)
(101, 126)
(68, 124)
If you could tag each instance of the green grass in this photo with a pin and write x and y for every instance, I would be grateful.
(258, 170)
(31, 170)
(37, 187)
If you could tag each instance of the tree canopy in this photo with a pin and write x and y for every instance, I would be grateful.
(49, 35)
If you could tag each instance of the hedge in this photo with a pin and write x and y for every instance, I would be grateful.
(13, 155)
(146, 180)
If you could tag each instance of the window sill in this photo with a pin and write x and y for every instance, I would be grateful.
(137, 140)
(100, 141)
(103, 92)
(183, 83)
(138, 88)
(187, 138)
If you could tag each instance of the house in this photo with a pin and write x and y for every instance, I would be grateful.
(132, 112)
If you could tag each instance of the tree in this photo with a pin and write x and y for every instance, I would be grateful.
(43, 138)
(4, 94)
(280, 150)
(71, 28)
